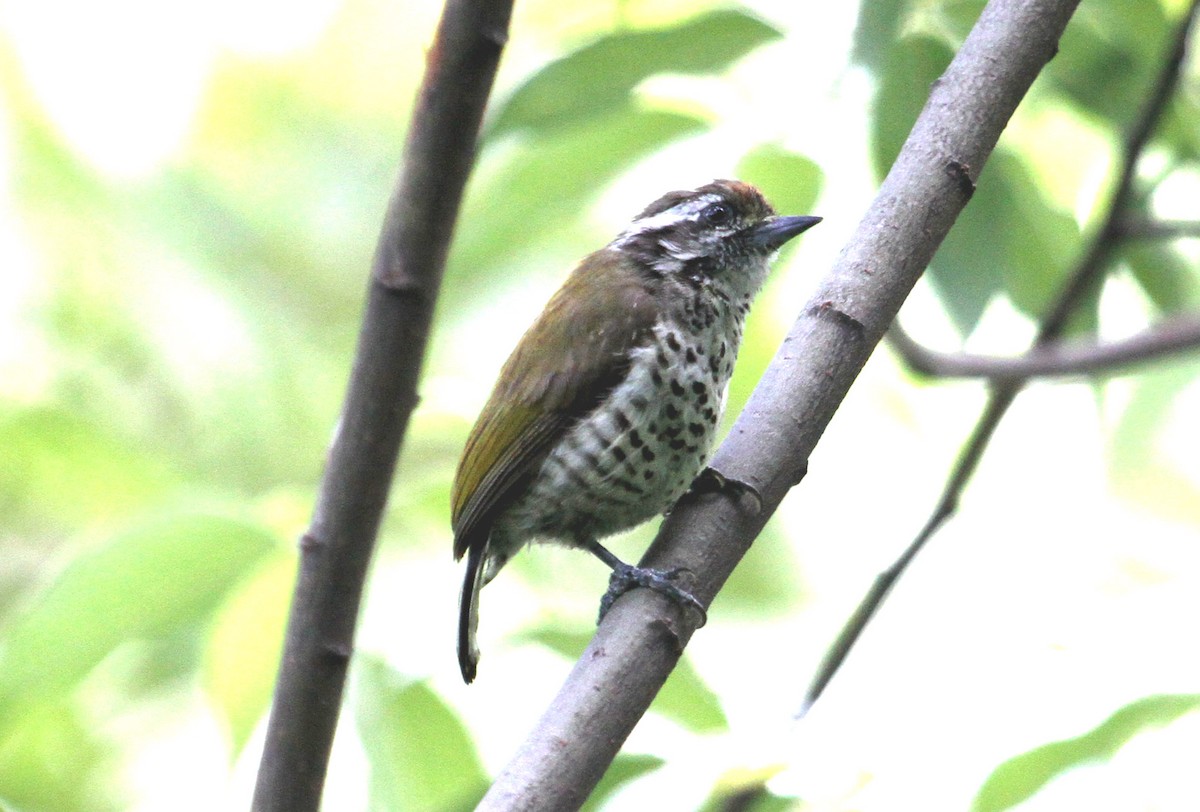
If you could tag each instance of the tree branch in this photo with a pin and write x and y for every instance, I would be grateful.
(1144, 228)
(1083, 279)
(643, 635)
(406, 275)
(1053, 359)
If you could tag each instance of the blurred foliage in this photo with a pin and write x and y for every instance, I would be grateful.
(420, 754)
(599, 78)
(1019, 778)
(684, 697)
(624, 769)
(174, 344)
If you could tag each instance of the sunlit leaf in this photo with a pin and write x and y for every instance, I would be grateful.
(1180, 127)
(545, 186)
(51, 758)
(243, 650)
(1165, 276)
(419, 752)
(1107, 58)
(879, 24)
(688, 700)
(568, 644)
(1009, 238)
(1021, 777)
(791, 182)
(147, 582)
(57, 467)
(598, 78)
(1039, 241)
(912, 67)
(766, 580)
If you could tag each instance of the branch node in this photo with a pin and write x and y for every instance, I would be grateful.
(495, 36)
(672, 633)
(960, 171)
(829, 309)
(402, 285)
(340, 652)
(798, 472)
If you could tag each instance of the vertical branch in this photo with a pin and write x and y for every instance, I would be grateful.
(642, 636)
(406, 275)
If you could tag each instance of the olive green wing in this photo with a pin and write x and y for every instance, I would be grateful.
(564, 365)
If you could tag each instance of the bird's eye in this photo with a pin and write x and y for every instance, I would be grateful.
(717, 214)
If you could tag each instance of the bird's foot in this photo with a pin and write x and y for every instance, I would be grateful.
(625, 577)
(710, 480)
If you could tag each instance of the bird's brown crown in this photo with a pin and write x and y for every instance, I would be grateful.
(741, 198)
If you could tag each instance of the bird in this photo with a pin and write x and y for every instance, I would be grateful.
(606, 411)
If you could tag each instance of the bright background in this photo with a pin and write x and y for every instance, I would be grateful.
(189, 198)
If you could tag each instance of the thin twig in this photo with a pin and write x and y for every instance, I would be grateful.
(406, 275)
(643, 634)
(1140, 228)
(1053, 359)
(1082, 281)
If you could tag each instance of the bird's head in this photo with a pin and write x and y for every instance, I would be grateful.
(722, 234)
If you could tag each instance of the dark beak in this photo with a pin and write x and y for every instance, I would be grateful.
(778, 230)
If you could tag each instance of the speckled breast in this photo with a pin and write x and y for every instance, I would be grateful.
(634, 455)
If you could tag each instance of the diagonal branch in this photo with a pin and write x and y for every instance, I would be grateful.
(407, 272)
(642, 636)
(1082, 281)
(1053, 359)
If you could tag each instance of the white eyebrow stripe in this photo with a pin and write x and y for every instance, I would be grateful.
(679, 213)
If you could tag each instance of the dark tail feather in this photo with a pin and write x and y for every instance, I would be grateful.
(468, 613)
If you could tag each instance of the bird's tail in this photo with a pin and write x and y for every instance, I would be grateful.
(468, 613)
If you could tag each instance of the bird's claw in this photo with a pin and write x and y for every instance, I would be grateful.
(710, 480)
(625, 577)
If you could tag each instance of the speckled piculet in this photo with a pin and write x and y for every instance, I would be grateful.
(607, 409)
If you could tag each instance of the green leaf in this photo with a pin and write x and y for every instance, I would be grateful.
(52, 758)
(912, 67)
(767, 581)
(1020, 777)
(1107, 58)
(420, 755)
(789, 181)
(59, 468)
(956, 18)
(568, 644)
(625, 768)
(598, 78)
(1180, 129)
(1039, 241)
(689, 701)
(242, 658)
(684, 697)
(1163, 274)
(543, 187)
(879, 24)
(145, 583)
(1008, 238)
